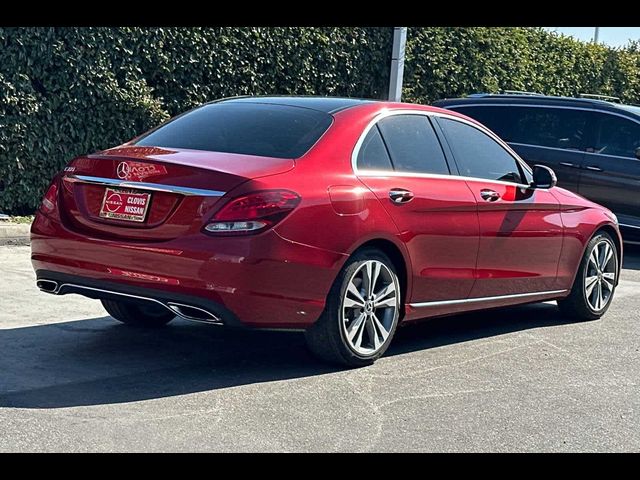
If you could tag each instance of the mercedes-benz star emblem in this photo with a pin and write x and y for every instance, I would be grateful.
(123, 170)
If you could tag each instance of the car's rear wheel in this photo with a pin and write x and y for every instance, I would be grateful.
(138, 314)
(595, 281)
(362, 312)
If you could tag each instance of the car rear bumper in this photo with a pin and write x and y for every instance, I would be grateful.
(263, 281)
(191, 308)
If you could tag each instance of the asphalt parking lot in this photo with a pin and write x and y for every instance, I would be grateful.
(518, 379)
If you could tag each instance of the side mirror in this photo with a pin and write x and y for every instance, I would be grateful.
(637, 152)
(543, 177)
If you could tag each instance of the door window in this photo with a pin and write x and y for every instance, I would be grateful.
(373, 154)
(617, 136)
(549, 127)
(478, 155)
(413, 144)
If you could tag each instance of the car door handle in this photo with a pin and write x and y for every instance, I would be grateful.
(400, 195)
(593, 168)
(489, 195)
(570, 165)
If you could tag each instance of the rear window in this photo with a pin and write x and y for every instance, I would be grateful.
(248, 128)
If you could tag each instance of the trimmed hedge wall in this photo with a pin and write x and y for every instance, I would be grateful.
(452, 62)
(68, 91)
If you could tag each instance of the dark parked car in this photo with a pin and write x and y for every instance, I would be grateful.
(593, 145)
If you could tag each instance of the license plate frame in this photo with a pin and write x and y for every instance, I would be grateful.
(117, 205)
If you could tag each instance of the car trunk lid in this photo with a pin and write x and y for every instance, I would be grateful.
(150, 193)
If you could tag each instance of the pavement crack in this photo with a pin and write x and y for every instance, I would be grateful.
(464, 362)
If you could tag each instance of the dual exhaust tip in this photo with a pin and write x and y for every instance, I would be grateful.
(196, 314)
(48, 286)
(188, 312)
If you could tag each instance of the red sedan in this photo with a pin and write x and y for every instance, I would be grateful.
(336, 216)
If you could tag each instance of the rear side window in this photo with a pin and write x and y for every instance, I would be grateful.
(496, 118)
(549, 127)
(478, 155)
(617, 136)
(248, 128)
(412, 144)
(373, 154)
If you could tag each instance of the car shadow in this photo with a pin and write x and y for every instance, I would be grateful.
(98, 361)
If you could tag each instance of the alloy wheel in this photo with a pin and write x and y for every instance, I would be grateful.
(370, 307)
(600, 276)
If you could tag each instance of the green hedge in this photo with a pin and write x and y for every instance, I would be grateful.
(68, 91)
(451, 62)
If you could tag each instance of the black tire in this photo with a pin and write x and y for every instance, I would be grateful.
(576, 306)
(327, 337)
(147, 315)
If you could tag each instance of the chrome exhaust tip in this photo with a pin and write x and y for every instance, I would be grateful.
(189, 312)
(48, 286)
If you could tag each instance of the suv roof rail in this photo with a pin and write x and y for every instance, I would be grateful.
(520, 92)
(585, 97)
(505, 92)
(595, 96)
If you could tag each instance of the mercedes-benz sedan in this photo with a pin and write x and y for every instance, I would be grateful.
(336, 216)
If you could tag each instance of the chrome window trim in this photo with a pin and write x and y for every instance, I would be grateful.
(625, 225)
(484, 299)
(392, 112)
(384, 173)
(612, 156)
(548, 148)
(571, 150)
(156, 187)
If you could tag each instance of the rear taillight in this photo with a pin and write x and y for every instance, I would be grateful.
(50, 199)
(253, 213)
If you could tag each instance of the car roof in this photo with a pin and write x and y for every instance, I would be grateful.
(331, 105)
(537, 99)
(321, 104)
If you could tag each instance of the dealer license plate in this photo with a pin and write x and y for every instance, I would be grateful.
(126, 205)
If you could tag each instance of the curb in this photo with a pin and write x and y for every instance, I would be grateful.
(14, 233)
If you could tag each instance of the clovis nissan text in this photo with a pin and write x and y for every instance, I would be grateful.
(340, 217)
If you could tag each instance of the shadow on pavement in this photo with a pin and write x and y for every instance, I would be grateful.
(98, 361)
